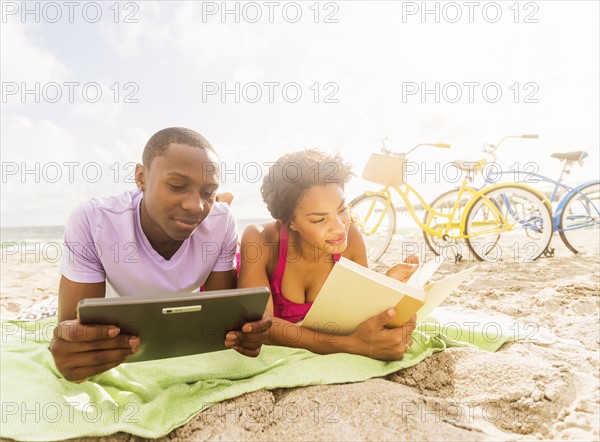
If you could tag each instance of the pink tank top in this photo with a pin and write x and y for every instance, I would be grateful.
(282, 307)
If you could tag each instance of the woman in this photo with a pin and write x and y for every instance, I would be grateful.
(304, 191)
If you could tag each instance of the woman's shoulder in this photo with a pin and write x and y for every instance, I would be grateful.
(262, 241)
(263, 233)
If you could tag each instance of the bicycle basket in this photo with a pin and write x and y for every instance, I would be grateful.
(385, 169)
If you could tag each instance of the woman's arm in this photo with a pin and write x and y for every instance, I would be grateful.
(221, 280)
(253, 335)
(370, 339)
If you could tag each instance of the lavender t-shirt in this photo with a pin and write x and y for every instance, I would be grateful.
(104, 241)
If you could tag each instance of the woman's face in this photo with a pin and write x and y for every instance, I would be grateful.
(179, 191)
(321, 218)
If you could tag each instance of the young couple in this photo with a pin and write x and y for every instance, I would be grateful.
(171, 236)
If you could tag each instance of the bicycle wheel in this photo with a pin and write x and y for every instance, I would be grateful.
(508, 222)
(579, 225)
(376, 220)
(444, 205)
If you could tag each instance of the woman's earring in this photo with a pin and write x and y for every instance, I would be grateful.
(292, 227)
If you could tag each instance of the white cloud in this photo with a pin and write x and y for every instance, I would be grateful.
(104, 110)
(26, 58)
(138, 25)
(47, 169)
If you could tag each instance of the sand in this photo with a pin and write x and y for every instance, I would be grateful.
(524, 391)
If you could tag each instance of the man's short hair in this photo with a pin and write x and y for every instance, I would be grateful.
(160, 141)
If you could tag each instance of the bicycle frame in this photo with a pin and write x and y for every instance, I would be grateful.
(569, 191)
(498, 206)
(405, 189)
(490, 149)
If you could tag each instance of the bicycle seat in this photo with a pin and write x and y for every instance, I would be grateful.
(468, 166)
(570, 156)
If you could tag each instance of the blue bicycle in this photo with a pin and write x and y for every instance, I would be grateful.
(576, 215)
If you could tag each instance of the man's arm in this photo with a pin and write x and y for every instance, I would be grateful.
(81, 351)
(70, 293)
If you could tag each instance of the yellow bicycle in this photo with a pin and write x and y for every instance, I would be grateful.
(505, 220)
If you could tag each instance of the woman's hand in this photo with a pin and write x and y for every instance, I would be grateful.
(412, 259)
(81, 351)
(253, 335)
(374, 340)
(403, 271)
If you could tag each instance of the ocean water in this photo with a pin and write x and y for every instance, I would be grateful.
(10, 236)
(28, 235)
(16, 237)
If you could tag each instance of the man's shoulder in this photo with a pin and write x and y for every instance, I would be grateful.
(104, 210)
(220, 209)
(220, 216)
(219, 221)
(116, 204)
(111, 204)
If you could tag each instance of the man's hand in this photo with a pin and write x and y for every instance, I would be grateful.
(81, 351)
(253, 335)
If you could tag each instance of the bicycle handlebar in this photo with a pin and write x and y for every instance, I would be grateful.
(490, 149)
(494, 147)
(402, 154)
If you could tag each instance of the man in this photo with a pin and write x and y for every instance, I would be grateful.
(167, 236)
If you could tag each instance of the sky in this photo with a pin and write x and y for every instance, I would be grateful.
(85, 85)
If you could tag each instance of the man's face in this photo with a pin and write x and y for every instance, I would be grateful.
(179, 191)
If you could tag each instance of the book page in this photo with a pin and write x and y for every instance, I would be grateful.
(352, 294)
(424, 273)
(438, 291)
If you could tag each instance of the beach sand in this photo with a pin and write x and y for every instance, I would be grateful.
(524, 391)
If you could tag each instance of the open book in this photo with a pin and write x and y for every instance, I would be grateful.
(353, 293)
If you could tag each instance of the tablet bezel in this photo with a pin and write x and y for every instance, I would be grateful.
(176, 326)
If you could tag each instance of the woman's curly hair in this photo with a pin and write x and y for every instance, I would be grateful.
(294, 173)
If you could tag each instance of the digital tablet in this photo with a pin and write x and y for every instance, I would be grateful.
(170, 327)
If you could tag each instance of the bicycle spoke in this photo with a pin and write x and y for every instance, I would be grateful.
(376, 219)
(445, 220)
(509, 223)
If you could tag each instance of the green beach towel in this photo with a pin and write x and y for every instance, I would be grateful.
(150, 399)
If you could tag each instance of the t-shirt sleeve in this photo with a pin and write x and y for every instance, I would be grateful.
(80, 261)
(226, 259)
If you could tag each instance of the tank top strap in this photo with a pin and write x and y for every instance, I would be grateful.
(282, 259)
